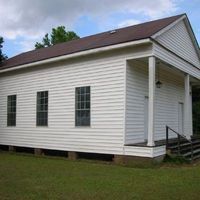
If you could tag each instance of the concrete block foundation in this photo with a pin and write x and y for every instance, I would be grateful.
(72, 155)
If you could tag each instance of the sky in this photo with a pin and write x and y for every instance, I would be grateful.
(25, 22)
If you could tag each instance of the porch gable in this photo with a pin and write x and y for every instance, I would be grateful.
(179, 39)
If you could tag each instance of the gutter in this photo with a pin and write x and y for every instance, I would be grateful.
(78, 54)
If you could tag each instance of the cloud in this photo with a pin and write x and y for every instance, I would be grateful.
(128, 22)
(31, 19)
(26, 44)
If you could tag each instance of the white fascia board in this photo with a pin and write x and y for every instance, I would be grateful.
(78, 54)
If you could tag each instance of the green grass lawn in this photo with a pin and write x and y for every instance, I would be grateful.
(28, 177)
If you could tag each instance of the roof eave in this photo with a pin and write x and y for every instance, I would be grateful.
(78, 54)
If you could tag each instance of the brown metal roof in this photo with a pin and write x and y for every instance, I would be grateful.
(131, 33)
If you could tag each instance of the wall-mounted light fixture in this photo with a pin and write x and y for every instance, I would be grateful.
(158, 82)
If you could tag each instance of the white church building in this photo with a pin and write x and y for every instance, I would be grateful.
(110, 93)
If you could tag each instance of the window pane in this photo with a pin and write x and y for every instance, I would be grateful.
(87, 105)
(82, 106)
(87, 97)
(78, 90)
(42, 108)
(88, 90)
(85, 118)
(82, 97)
(82, 90)
(11, 110)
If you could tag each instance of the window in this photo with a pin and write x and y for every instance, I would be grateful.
(83, 106)
(11, 110)
(42, 108)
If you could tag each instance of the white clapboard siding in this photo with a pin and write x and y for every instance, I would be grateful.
(166, 103)
(104, 75)
(136, 90)
(145, 151)
(178, 40)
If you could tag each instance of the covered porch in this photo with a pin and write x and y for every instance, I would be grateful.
(167, 101)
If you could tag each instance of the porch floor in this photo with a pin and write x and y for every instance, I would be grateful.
(161, 142)
(157, 143)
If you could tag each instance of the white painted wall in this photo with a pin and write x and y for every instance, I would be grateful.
(166, 103)
(178, 40)
(145, 151)
(136, 90)
(105, 75)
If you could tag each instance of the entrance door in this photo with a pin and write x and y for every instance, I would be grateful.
(146, 113)
(180, 118)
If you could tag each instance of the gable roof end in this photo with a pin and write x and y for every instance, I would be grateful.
(189, 28)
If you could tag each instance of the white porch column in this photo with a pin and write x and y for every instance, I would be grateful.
(187, 108)
(152, 70)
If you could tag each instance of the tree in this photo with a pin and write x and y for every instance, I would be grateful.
(2, 56)
(58, 35)
(196, 109)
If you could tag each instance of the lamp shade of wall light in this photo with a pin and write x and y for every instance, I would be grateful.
(158, 84)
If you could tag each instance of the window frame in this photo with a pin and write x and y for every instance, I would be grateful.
(38, 122)
(9, 123)
(88, 124)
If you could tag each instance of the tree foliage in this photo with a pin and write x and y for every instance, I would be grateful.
(196, 109)
(2, 56)
(58, 35)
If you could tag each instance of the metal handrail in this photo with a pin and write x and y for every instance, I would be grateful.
(179, 136)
